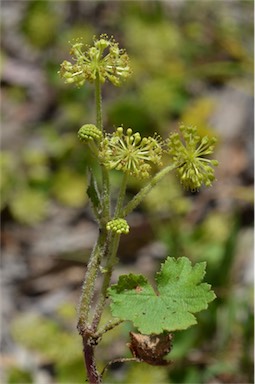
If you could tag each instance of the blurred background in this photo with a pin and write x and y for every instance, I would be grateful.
(193, 63)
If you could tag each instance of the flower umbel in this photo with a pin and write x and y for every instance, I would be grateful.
(188, 151)
(104, 59)
(130, 153)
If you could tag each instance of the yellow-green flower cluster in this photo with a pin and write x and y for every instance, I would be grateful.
(188, 150)
(130, 153)
(104, 59)
(89, 132)
(118, 225)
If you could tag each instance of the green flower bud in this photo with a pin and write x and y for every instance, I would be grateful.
(102, 44)
(89, 132)
(118, 225)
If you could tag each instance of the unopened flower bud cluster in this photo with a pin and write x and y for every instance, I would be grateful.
(118, 226)
(89, 132)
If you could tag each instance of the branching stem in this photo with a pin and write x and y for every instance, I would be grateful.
(137, 199)
(107, 327)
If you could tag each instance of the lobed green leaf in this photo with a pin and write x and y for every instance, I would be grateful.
(179, 295)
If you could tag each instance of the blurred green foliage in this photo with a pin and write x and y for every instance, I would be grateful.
(17, 375)
(54, 342)
(40, 24)
(177, 54)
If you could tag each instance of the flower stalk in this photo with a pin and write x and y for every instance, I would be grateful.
(139, 197)
(98, 101)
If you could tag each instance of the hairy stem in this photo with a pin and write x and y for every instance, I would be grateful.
(107, 327)
(89, 282)
(88, 350)
(113, 247)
